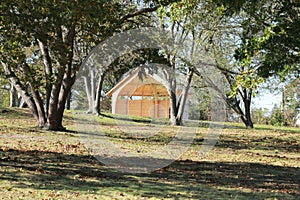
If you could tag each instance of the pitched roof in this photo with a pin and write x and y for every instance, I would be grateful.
(132, 76)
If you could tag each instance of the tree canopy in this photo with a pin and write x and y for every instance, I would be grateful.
(44, 43)
(272, 29)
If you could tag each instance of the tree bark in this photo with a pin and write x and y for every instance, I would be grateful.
(63, 96)
(89, 81)
(69, 100)
(13, 98)
(57, 107)
(248, 121)
(48, 73)
(22, 103)
(40, 108)
(97, 103)
(173, 103)
(184, 96)
(87, 84)
(53, 122)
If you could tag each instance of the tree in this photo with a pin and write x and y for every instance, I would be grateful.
(269, 43)
(291, 101)
(277, 117)
(199, 107)
(192, 25)
(217, 31)
(43, 44)
(274, 25)
(238, 66)
(260, 116)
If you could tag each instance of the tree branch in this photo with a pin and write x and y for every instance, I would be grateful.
(138, 12)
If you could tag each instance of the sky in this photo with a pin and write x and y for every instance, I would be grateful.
(269, 94)
(266, 99)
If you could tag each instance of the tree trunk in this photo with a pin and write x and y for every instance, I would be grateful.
(53, 121)
(93, 92)
(13, 96)
(40, 108)
(88, 93)
(173, 105)
(69, 100)
(22, 103)
(57, 105)
(55, 118)
(48, 73)
(183, 98)
(63, 96)
(97, 103)
(244, 116)
(89, 81)
(248, 121)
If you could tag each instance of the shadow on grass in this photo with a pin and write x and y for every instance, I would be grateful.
(15, 113)
(182, 179)
(261, 143)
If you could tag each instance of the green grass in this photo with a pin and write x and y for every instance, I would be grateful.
(263, 163)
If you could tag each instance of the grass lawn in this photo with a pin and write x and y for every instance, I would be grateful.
(263, 163)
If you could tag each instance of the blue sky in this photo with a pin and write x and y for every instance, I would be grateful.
(266, 99)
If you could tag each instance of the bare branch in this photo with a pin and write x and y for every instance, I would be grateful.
(138, 12)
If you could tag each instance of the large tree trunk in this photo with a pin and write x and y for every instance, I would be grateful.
(248, 121)
(57, 106)
(63, 96)
(53, 122)
(58, 84)
(184, 96)
(173, 108)
(173, 100)
(48, 73)
(13, 98)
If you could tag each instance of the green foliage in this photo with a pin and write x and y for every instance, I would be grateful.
(200, 104)
(260, 116)
(248, 79)
(24, 22)
(4, 93)
(67, 29)
(45, 43)
(4, 98)
(292, 101)
(272, 28)
(277, 117)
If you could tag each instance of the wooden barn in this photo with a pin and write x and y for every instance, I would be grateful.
(135, 96)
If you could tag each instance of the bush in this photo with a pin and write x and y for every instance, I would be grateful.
(277, 118)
